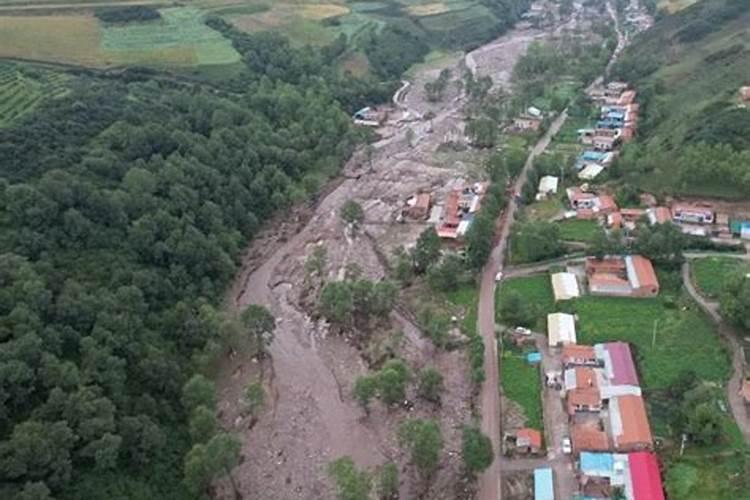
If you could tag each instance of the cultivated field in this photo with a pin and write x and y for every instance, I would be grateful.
(710, 273)
(537, 292)
(21, 91)
(685, 340)
(579, 230)
(180, 38)
(521, 383)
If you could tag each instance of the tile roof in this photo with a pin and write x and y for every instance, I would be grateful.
(531, 436)
(630, 427)
(586, 397)
(573, 352)
(588, 437)
(644, 272)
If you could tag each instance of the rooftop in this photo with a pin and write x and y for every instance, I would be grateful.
(572, 352)
(544, 486)
(588, 437)
(640, 272)
(529, 437)
(630, 427)
(561, 329)
(565, 286)
(645, 476)
(619, 364)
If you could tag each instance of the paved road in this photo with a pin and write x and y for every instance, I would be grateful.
(736, 402)
(490, 481)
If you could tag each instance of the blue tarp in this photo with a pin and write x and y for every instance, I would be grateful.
(534, 357)
(597, 464)
(592, 156)
(544, 487)
(616, 115)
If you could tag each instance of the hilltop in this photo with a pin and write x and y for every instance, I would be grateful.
(689, 69)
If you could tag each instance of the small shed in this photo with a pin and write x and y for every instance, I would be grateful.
(528, 441)
(565, 286)
(590, 172)
(548, 184)
(544, 486)
(561, 329)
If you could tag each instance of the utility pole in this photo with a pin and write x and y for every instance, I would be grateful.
(653, 337)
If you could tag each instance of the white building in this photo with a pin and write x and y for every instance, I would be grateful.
(565, 286)
(561, 329)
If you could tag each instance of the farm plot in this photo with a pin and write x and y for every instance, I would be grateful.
(579, 230)
(179, 38)
(668, 340)
(67, 38)
(711, 273)
(536, 292)
(21, 92)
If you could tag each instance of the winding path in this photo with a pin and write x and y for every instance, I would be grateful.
(736, 402)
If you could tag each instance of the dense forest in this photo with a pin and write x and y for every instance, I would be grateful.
(124, 207)
(688, 70)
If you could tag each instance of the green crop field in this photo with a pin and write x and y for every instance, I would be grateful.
(685, 340)
(709, 274)
(579, 230)
(181, 33)
(21, 91)
(522, 383)
(537, 290)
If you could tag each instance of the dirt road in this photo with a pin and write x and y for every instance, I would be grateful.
(490, 480)
(736, 401)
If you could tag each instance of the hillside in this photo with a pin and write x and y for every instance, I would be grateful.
(695, 132)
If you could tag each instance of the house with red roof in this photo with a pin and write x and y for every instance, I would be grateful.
(628, 276)
(628, 424)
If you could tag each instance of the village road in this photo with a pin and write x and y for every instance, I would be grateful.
(490, 481)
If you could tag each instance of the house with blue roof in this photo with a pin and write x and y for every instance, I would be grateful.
(544, 486)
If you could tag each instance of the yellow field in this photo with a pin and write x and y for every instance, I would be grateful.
(673, 6)
(68, 39)
(318, 12)
(428, 9)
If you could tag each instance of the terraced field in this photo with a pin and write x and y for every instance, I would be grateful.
(21, 92)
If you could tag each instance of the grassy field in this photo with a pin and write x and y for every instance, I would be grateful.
(710, 273)
(544, 210)
(521, 382)
(579, 230)
(21, 90)
(685, 339)
(66, 38)
(537, 290)
(673, 6)
(180, 38)
(702, 476)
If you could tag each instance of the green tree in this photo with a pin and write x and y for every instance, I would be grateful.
(479, 240)
(317, 261)
(261, 325)
(205, 463)
(430, 384)
(535, 241)
(351, 484)
(392, 380)
(353, 214)
(446, 275)
(388, 482)
(202, 424)
(254, 398)
(482, 132)
(704, 424)
(662, 243)
(514, 310)
(198, 391)
(735, 301)
(477, 449)
(365, 388)
(403, 268)
(34, 491)
(426, 251)
(424, 441)
(337, 303)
